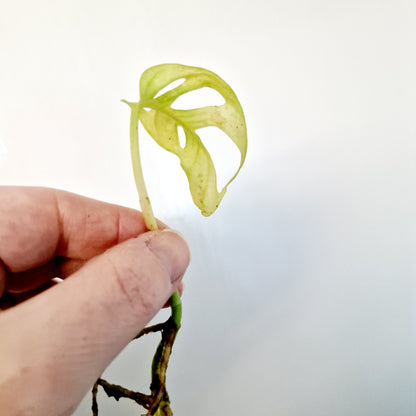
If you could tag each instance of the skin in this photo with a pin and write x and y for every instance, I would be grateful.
(57, 339)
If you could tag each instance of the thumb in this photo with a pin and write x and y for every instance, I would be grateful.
(60, 341)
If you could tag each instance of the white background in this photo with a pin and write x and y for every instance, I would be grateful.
(300, 299)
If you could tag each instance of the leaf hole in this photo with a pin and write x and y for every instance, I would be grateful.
(181, 137)
(193, 99)
(223, 151)
(170, 87)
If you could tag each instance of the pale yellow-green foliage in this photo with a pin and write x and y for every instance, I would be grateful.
(162, 121)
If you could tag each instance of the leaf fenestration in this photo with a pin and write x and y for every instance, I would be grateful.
(162, 122)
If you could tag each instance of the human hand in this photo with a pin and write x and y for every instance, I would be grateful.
(54, 345)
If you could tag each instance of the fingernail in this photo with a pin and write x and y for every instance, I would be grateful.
(172, 251)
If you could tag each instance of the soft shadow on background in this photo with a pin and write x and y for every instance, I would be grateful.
(300, 299)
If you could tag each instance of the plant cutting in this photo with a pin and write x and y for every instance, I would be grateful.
(155, 112)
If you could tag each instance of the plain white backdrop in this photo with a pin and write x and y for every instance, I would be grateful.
(300, 299)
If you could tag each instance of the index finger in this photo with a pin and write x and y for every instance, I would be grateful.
(38, 224)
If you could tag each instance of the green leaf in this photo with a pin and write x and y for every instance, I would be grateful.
(162, 122)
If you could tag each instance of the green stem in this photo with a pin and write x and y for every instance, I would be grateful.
(176, 308)
(145, 204)
(149, 218)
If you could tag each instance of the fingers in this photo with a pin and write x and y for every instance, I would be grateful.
(61, 340)
(26, 281)
(2, 278)
(36, 224)
(22, 286)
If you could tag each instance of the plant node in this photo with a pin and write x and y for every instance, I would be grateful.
(157, 402)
